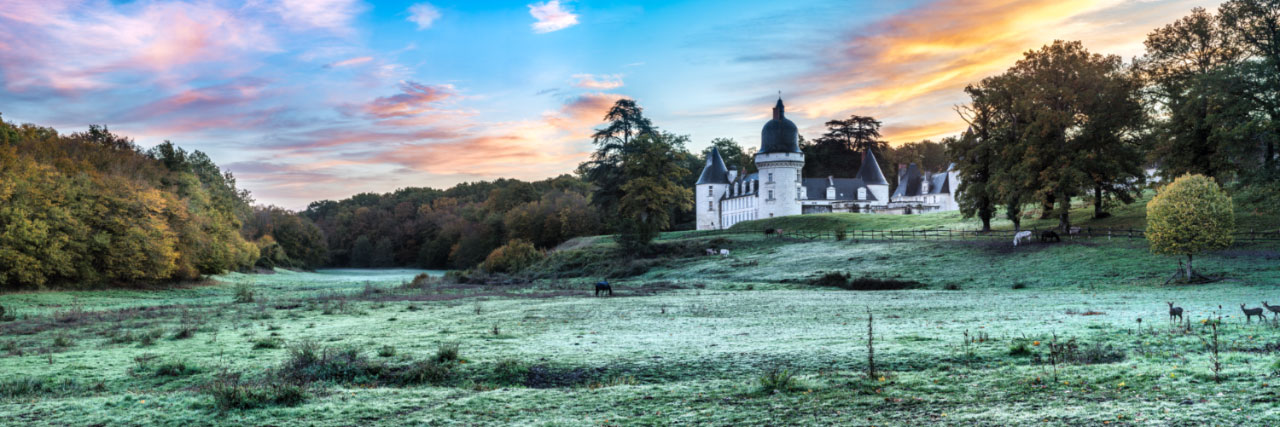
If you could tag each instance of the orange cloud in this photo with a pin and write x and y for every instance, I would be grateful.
(903, 133)
(913, 66)
(582, 112)
(352, 61)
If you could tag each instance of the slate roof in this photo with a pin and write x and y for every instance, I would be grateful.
(846, 188)
(779, 135)
(909, 182)
(715, 172)
(870, 172)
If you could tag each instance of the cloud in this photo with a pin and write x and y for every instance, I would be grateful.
(903, 133)
(602, 82)
(352, 61)
(58, 46)
(423, 14)
(551, 16)
(414, 99)
(331, 15)
(580, 113)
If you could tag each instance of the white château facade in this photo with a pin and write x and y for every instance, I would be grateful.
(724, 197)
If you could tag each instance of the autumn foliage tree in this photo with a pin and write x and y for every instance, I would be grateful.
(1189, 216)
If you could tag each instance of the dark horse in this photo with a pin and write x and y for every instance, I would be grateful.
(1048, 235)
(603, 287)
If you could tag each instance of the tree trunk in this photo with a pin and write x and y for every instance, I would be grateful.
(1097, 201)
(986, 223)
(1189, 270)
(1046, 207)
(1064, 215)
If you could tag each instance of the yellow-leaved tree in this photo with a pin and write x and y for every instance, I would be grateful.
(1190, 215)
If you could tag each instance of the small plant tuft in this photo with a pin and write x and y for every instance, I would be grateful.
(243, 293)
(447, 352)
(778, 379)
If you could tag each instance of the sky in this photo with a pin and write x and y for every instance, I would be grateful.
(306, 100)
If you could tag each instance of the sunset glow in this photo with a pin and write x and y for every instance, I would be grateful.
(373, 96)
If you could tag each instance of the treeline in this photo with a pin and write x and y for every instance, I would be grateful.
(91, 209)
(1064, 123)
(456, 228)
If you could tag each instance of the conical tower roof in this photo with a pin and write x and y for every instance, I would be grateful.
(869, 172)
(715, 172)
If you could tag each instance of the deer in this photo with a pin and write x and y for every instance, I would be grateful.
(1174, 311)
(1274, 309)
(1250, 312)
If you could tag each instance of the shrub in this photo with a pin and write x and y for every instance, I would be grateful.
(1019, 285)
(447, 352)
(510, 372)
(63, 341)
(1019, 349)
(425, 372)
(387, 351)
(841, 234)
(778, 379)
(1189, 216)
(149, 338)
(34, 386)
(308, 362)
(268, 342)
(230, 393)
(176, 368)
(512, 257)
(244, 293)
(845, 281)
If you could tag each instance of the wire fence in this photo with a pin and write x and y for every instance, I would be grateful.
(971, 235)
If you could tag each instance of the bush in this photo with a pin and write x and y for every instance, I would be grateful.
(244, 293)
(1189, 216)
(178, 368)
(229, 393)
(512, 257)
(447, 352)
(308, 362)
(845, 281)
(778, 379)
(510, 372)
(425, 372)
(33, 386)
(268, 342)
(387, 351)
(1019, 349)
(841, 234)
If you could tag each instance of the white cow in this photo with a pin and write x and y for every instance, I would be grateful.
(1022, 235)
(724, 252)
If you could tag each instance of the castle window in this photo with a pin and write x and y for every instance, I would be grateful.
(771, 179)
(710, 206)
(710, 191)
(862, 193)
(770, 194)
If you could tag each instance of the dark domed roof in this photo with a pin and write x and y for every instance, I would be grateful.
(779, 135)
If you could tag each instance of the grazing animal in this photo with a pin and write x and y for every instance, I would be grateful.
(724, 252)
(1047, 235)
(603, 287)
(1175, 312)
(1073, 230)
(1250, 312)
(711, 251)
(1022, 235)
(768, 231)
(1274, 309)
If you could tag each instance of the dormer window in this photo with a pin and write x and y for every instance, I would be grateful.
(924, 187)
(831, 193)
(862, 193)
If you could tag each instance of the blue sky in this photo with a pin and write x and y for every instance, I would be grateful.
(313, 99)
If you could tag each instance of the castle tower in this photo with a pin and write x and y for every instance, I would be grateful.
(873, 178)
(712, 185)
(779, 161)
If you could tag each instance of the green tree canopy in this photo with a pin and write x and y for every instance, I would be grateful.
(1189, 216)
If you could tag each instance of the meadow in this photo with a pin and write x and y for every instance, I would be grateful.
(980, 334)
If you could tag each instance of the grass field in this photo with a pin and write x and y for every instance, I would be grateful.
(686, 340)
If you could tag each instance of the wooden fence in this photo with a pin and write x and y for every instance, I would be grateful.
(946, 234)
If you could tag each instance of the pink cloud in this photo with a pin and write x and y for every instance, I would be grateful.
(580, 113)
(72, 47)
(601, 82)
(332, 15)
(352, 61)
(414, 99)
(551, 16)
